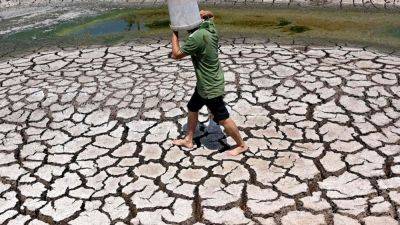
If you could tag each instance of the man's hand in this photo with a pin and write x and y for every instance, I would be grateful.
(176, 49)
(206, 14)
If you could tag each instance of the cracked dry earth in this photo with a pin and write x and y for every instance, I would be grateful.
(85, 138)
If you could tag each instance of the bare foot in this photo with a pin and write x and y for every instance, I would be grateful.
(183, 142)
(238, 150)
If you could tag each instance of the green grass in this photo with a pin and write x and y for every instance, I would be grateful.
(375, 28)
(320, 25)
(283, 22)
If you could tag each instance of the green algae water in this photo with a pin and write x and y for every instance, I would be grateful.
(396, 32)
(110, 27)
(374, 28)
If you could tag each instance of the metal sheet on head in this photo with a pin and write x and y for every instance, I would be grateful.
(184, 14)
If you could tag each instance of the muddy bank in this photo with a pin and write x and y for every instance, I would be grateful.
(352, 3)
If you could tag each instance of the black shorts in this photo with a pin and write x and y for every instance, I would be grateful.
(215, 105)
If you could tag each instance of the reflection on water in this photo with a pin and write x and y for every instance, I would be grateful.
(396, 32)
(299, 29)
(111, 26)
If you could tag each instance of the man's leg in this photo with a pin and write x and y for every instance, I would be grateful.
(192, 124)
(194, 105)
(221, 116)
(232, 130)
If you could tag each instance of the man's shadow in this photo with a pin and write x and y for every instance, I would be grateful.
(209, 135)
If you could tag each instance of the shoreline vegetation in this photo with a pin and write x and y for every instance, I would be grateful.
(375, 28)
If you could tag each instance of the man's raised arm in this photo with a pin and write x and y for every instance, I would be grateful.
(176, 49)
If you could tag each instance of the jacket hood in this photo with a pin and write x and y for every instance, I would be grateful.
(208, 25)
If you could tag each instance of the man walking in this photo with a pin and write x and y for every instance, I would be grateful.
(202, 46)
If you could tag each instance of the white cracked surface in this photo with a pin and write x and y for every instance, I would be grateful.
(85, 138)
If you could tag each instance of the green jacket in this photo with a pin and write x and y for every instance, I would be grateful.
(202, 46)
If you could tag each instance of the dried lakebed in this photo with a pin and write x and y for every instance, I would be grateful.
(85, 138)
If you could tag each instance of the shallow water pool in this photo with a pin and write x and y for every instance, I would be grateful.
(110, 27)
(396, 32)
